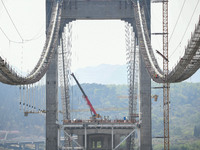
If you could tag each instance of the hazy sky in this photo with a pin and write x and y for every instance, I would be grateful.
(94, 42)
(182, 33)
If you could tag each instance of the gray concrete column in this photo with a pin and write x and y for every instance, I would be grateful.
(52, 105)
(145, 92)
(145, 108)
(51, 94)
(145, 95)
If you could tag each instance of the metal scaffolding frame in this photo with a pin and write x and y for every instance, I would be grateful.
(165, 71)
(85, 127)
(64, 63)
(132, 56)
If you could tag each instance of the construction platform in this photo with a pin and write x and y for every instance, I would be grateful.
(99, 134)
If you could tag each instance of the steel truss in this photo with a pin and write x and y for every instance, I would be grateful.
(165, 71)
(132, 71)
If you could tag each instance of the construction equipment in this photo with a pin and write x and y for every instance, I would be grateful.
(40, 111)
(92, 110)
(155, 97)
(162, 55)
(34, 112)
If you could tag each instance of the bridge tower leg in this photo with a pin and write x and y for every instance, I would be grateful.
(145, 108)
(51, 94)
(145, 93)
(52, 105)
(145, 96)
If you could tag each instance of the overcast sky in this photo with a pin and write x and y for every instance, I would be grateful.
(94, 42)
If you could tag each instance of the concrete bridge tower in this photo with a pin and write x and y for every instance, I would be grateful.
(96, 9)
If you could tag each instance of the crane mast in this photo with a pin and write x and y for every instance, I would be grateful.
(166, 85)
(95, 115)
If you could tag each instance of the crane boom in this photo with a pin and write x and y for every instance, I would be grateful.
(86, 98)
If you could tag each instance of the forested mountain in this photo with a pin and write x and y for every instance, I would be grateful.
(184, 115)
(105, 98)
(184, 109)
(103, 74)
(12, 118)
(113, 74)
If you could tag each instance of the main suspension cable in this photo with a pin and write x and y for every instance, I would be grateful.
(185, 30)
(12, 20)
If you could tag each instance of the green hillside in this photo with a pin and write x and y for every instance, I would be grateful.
(12, 118)
(184, 116)
(184, 111)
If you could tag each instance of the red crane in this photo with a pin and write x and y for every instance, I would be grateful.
(94, 114)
